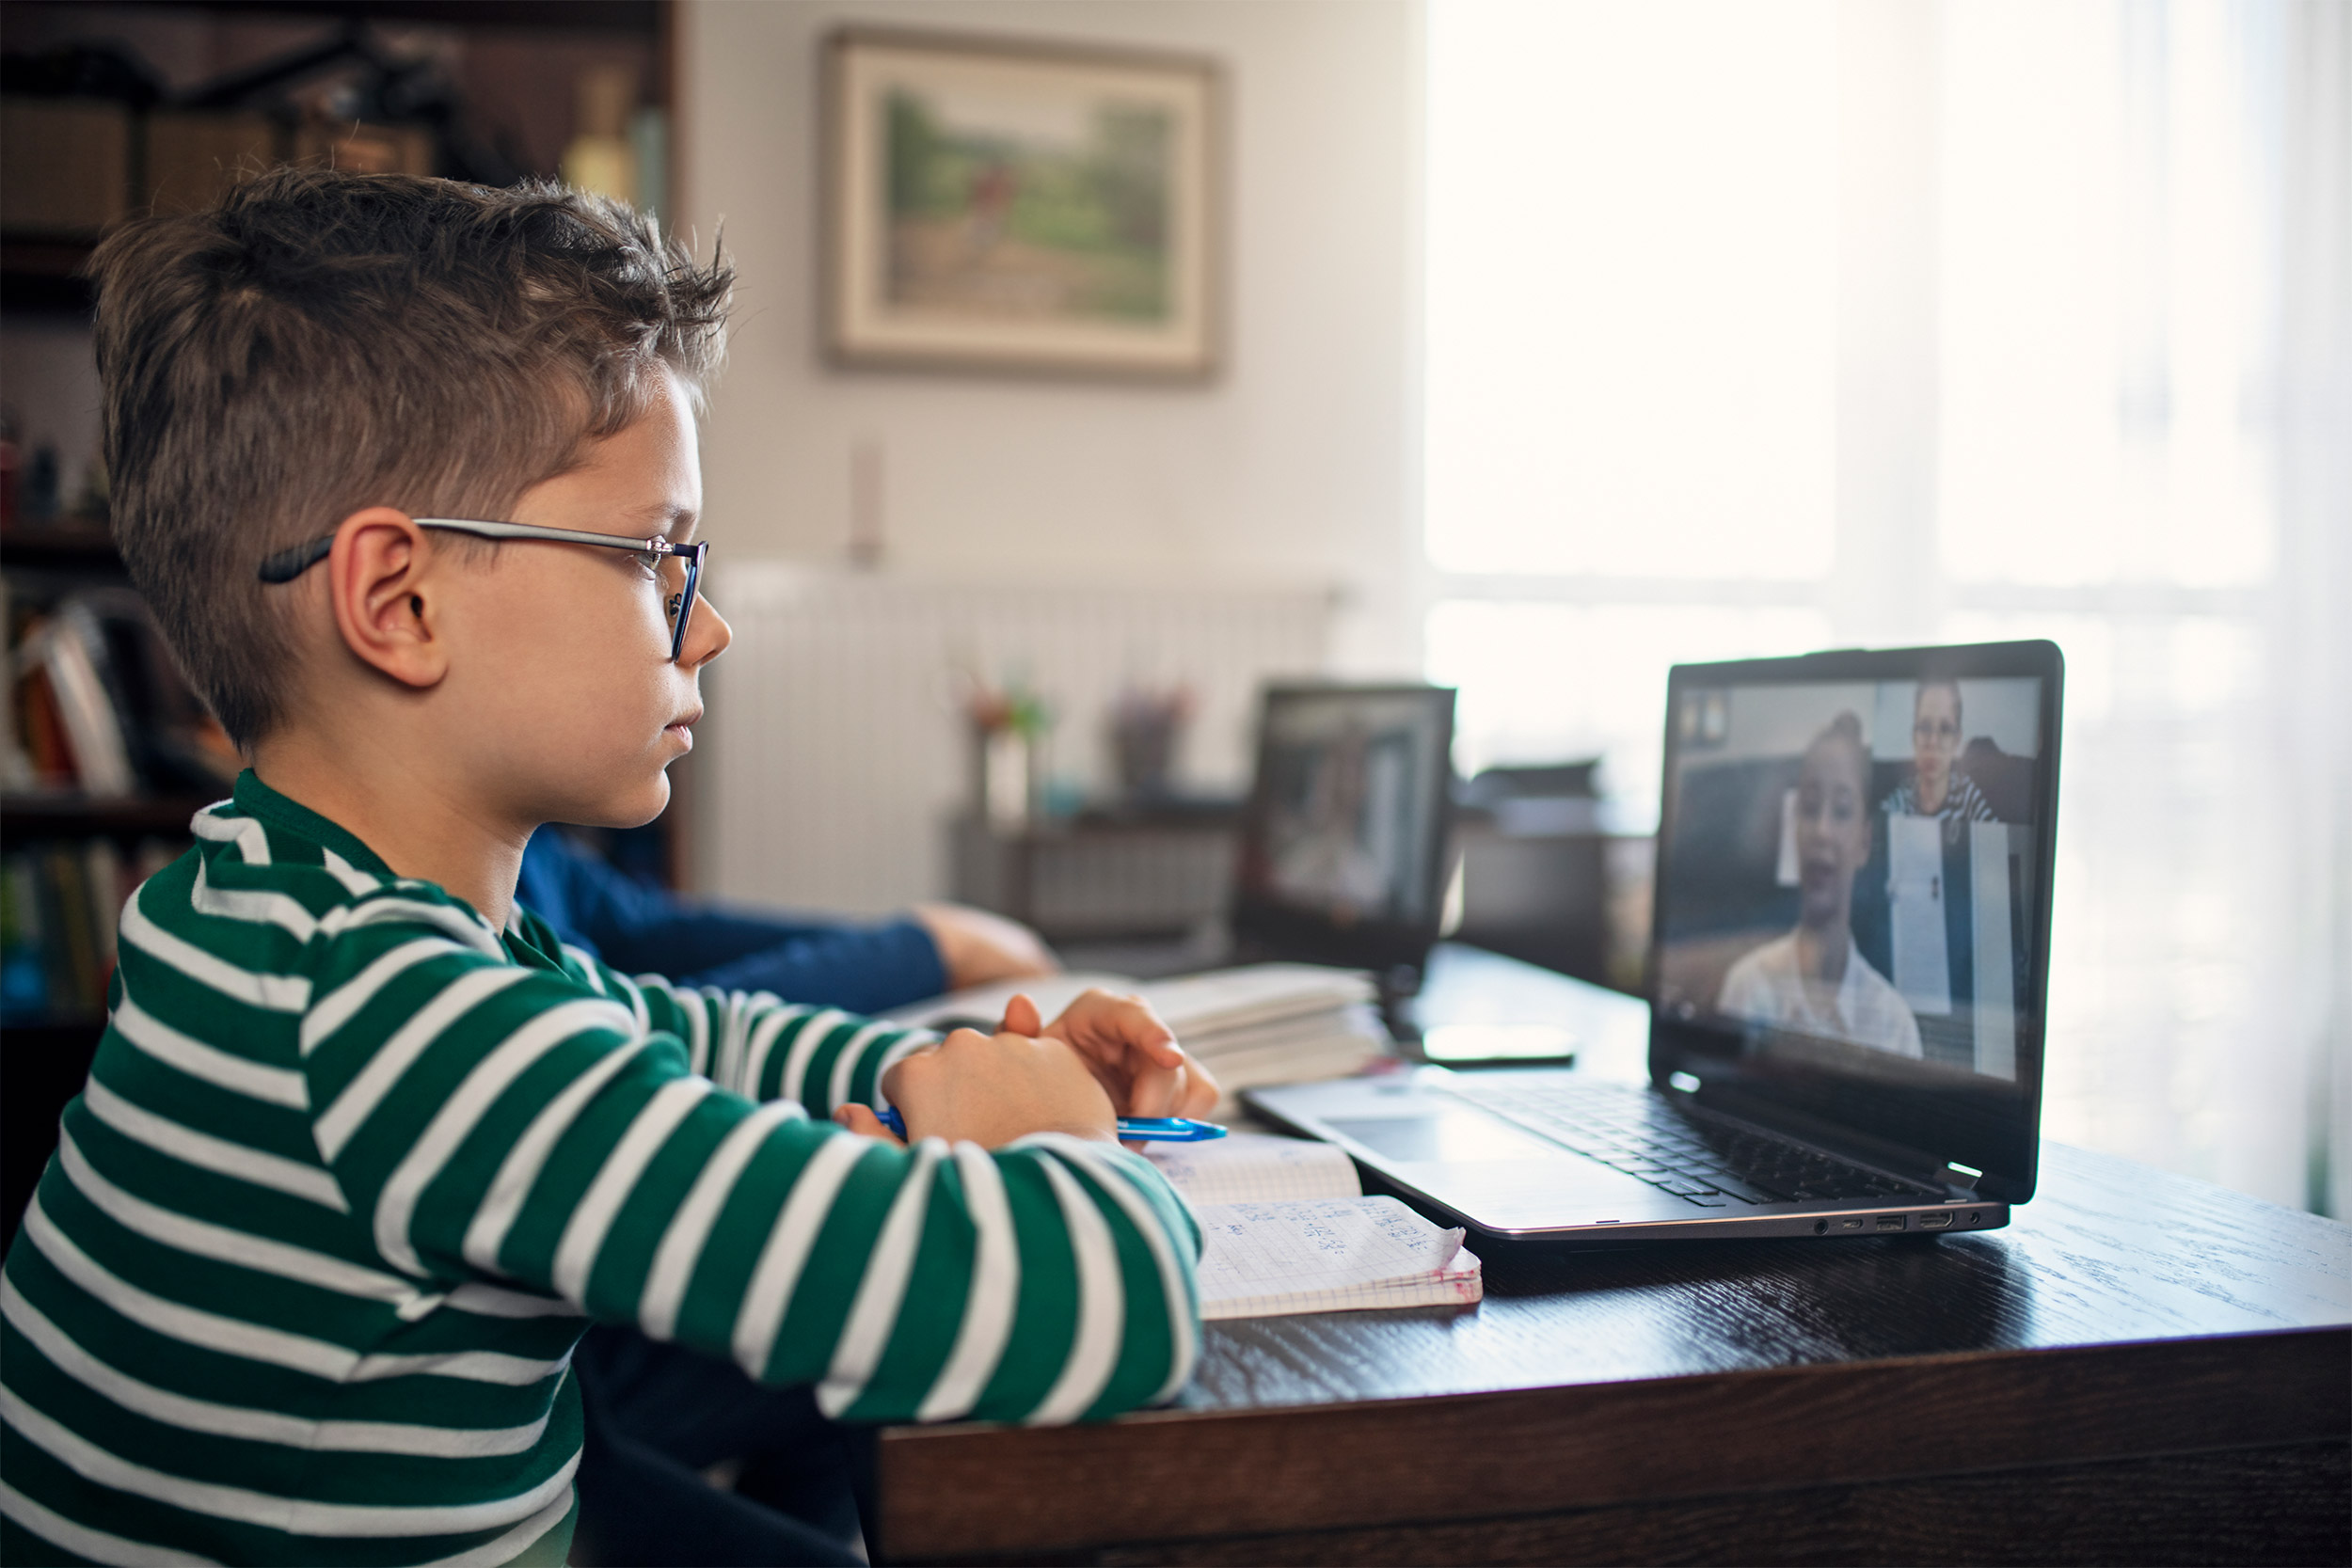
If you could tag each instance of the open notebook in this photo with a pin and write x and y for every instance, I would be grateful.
(1285, 1227)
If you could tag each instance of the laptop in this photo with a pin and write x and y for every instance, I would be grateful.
(1848, 965)
(1343, 841)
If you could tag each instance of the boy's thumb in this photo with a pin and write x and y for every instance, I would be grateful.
(1021, 1017)
(861, 1120)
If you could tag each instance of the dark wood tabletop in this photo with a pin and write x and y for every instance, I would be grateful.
(2142, 1367)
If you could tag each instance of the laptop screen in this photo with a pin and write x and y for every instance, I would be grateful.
(1853, 889)
(1344, 840)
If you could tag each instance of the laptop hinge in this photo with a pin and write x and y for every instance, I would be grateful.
(1845, 1142)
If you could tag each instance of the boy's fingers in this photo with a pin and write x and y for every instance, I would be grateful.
(1146, 1029)
(1154, 1092)
(861, 1120)
(893, 1075)
(1021, 1017)
(1200, 1092)
(1184, 1091)
(1107, 1025)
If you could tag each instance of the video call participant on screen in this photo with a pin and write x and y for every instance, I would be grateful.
(1814, 980)
(1938, 787)
(1328, 865)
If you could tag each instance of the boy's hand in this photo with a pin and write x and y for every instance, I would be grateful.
(977, 948)
(989, 1090)
(1132, 1053)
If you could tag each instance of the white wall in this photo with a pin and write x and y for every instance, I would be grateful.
(1293, 466)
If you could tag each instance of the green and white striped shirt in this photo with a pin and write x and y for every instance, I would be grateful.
(353, 1169)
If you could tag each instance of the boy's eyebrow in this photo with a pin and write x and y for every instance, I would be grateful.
(673, 522)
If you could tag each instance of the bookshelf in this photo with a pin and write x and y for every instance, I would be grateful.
(75, 837)
(506, 79)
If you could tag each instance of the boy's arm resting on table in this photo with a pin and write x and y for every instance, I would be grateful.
(862, 965)
(860, 968)
(497, 1122)
(859, 965)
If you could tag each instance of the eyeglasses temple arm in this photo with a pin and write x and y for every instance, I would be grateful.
(482, 530)
(286, 565)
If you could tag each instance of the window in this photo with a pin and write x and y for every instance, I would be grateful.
(1754, 328)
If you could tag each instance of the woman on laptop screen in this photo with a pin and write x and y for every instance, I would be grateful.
(1814, 979)
(1937, 787)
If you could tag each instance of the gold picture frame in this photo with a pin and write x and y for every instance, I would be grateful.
(994, 205)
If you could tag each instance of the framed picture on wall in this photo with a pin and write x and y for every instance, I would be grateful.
(1012, 206)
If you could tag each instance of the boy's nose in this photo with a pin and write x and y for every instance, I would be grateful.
(708, 638)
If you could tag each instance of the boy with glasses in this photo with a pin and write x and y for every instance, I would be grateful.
(407, 470)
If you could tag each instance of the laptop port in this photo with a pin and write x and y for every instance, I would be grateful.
(1851, 1222)
(1936, 1221)
(1890, 1221)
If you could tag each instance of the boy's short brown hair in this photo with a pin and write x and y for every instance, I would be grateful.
(321, 343)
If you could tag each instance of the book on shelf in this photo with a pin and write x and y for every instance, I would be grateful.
(63, 652)
(1285, 1227)
(98, 706)
(60, 904)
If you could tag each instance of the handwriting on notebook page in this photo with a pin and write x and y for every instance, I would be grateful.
(1262, 1249)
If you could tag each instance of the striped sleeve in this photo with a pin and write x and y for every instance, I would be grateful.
(763, 1049)
(648, 1154)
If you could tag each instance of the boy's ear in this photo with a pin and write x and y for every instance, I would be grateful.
(384, 606)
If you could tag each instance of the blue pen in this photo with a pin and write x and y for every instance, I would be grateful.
(1167, 1129)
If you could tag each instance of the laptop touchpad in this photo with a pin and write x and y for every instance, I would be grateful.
(1454, 1136)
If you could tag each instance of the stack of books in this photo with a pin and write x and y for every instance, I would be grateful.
(1273, 1023)
(1252, 1026)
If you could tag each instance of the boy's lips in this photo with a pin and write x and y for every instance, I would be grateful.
(685, 725)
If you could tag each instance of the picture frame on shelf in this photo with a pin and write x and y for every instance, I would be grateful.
(994, 205)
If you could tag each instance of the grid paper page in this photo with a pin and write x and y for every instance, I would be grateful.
(1259, 1258)
(1256, 1166)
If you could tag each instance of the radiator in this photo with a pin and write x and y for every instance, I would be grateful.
(833, 757)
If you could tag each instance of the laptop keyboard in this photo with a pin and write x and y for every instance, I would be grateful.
(1713, 1168)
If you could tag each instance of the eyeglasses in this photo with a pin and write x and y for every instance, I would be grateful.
(653, 553)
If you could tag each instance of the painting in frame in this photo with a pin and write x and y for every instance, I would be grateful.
(1008, 206)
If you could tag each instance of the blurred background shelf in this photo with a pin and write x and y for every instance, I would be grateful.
(40, 814)
(67, 547)
(41, 273)
(569, 15)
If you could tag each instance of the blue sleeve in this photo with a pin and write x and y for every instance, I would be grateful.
(641, 930)
(860, 968)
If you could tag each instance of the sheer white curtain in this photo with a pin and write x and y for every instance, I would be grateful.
(1754, 329)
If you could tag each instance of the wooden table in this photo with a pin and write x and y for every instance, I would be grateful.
(2142, 1368)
